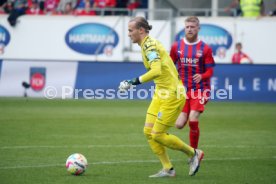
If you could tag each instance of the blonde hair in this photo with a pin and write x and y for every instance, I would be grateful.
(141, 22)
(192, 19)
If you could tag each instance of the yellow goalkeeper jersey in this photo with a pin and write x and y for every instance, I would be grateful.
(159, 64)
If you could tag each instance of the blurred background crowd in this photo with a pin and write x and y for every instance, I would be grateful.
(66, 7)
(245, 8)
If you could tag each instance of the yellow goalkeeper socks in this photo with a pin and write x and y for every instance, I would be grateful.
(169, 140)
(158, 149)
(161, 153)
(173, 142)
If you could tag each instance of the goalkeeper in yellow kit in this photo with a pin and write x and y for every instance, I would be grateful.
(167, 102)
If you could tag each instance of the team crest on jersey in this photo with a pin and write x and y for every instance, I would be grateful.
(198, 53)
(159, 115)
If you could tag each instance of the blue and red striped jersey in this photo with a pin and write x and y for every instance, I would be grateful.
(190, 59)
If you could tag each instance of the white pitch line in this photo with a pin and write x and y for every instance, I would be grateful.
(31, 166)
(72, 146)
(134, 161)
(238, 146)
(125, 146)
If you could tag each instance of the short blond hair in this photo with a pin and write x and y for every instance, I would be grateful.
(192, 19)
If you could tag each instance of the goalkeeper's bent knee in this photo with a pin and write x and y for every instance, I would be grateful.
(158, 137)
(156, 148)
(147, 132)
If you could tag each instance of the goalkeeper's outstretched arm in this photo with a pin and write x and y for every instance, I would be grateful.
(155, 71)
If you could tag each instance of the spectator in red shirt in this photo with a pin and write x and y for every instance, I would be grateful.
(240, 57)
(50, 6)
(34, 8)
(105, 4)
(133, 4)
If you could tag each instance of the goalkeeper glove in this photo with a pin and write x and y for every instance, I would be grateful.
(134, 81)
(126, 84)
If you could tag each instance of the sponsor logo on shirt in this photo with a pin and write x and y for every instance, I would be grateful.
(189, 61)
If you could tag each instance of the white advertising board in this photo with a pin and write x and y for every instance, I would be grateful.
(74, 38)
(46, 79)
(65, 38)
(93, 38)
(256, 36)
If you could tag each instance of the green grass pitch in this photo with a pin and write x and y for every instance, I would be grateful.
(37, 136)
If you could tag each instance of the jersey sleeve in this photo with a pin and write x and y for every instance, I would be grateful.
(154, 60)
(208, 58)
(208, 73)
(173, 52)
(151, 51)
(155, 71)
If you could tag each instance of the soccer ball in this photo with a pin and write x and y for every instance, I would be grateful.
(76, 164)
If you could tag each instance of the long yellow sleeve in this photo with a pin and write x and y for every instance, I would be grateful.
(155, 71)
(160, 67)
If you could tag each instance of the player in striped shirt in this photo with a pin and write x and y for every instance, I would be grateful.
(195, 63)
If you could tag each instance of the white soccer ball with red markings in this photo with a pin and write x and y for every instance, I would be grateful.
(76, 164)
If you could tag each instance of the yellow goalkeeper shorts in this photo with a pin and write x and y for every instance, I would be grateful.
(165, 109)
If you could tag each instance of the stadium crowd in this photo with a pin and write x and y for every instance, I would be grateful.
(64, 7)
(16, 8)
